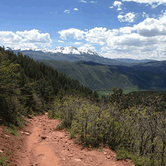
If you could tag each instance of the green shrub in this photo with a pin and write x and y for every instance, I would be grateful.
(4, 160)
(12, 129)
(122, 154)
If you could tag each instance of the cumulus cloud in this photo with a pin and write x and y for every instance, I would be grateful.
(34, 36)
(77, 43)
(72, 33)
(83, 1)
(52, 12)
(118, 4)
(8, 37)
(152, 27)
(29, 39)
(111, 7)
(145, 39)
(129, 17)
(153, 3)
(125, 30)
(60, 41)
(145, 15)
(99, 35)
(67, 11)
(93, 1)
(75, 9)
(86, 47)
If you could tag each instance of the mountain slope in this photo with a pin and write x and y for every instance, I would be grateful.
(98, 73)
(73, 54)
(101, 77)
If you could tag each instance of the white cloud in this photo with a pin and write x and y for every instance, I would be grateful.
(75, 9)
(145, 15)
(67, 11)
(60, 41)
(24, 46)
(34, 36)
(146, 39)
(8, 37)
(129, 17)
(152, 27)
(93, 1)
(77, 43)
(83, 1)
(72, 33)
(111, 7)
(86, 47)
(99, 35)
(22, 39)
(126, 30)
(118, 4)
(53, 12)
(153, 3)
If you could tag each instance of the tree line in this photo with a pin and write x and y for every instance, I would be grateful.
(27, 86)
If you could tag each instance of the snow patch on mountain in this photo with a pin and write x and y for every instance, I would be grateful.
(63, 50)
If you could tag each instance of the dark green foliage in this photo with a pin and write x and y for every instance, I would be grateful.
(27, 86)
(137, 133)
(16, 92)
(48, 81)
(105, 77)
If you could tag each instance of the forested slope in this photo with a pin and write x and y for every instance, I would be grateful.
(27, 86)
(98, 76)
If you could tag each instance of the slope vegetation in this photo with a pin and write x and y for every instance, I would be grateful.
(97, 76)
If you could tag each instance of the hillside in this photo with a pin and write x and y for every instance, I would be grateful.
(31, 85)
(150, 75)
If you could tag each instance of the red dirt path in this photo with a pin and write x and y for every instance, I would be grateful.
(40, 144)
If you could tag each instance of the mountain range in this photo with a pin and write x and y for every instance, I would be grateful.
(99, 73)
(73, 54)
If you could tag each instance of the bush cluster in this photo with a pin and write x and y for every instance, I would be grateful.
(136, 133)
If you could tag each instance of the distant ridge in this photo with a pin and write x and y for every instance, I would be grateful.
(129, 60)
(63, 50)
(73, 54)
(99, 76)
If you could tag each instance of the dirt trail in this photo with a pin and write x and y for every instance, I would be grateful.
(45, 146)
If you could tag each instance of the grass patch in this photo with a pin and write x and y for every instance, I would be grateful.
(122, 154)
(61, 126)
(12, 129)
(4, 160)
(101, 149)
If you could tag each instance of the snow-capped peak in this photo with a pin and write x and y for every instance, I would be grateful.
(66, 50)
(74, 50)
(63, 50)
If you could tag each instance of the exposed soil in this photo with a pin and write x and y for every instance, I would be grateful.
(40, 144)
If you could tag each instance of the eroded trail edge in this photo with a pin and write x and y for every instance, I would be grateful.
(46, 146)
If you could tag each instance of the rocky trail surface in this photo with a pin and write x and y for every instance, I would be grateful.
(43, 145)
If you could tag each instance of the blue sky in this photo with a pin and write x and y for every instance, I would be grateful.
(115, 29)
